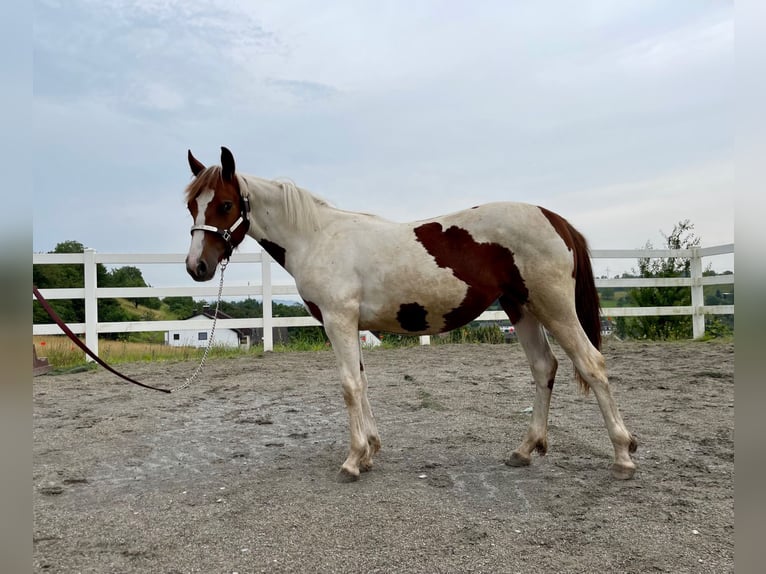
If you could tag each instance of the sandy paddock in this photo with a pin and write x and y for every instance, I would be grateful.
(239, 472)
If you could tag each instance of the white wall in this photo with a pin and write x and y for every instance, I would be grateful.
(192, 338)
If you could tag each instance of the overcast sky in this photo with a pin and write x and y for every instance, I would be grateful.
(616, 114)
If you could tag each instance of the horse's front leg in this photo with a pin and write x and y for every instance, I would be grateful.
(373, 438)
(344, 335)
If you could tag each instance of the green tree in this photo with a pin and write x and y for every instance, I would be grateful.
(662, 327)
(181, 307)
(130, 276)
(72, 276)
(60, 277)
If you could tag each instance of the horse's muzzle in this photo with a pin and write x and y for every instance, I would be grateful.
(201, 271)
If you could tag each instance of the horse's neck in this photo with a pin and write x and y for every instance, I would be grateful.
(271, 221)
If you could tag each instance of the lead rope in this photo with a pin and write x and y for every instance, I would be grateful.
(196, 373)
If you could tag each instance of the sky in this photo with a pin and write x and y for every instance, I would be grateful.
(616, 114)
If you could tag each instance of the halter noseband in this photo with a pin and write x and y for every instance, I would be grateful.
(226, 234)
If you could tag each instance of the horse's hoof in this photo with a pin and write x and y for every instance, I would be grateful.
(623, 471)
(518, 459)
(347, 475)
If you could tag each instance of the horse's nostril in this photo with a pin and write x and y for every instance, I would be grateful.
(201, 268)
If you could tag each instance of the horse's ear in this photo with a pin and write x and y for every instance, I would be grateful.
(227, 164)
(195, 165)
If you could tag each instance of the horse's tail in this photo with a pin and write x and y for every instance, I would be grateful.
(586, 295)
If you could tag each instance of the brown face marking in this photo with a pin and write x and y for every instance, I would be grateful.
(223, 210)
(314, 310)
(277, 252)
(488, 269)
(412, 317)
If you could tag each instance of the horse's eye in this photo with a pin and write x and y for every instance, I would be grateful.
(226, 206)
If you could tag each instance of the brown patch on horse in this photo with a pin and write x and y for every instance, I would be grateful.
(586, 295)
(277, 252)
(488, 269)
(412, 317)
(511, 308)
(564, 229)
(314, 310)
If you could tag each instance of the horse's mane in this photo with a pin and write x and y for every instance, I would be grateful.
(300, 206)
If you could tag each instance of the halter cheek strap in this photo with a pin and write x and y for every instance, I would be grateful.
(227, 234)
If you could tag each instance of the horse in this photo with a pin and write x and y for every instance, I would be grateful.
(356, 271)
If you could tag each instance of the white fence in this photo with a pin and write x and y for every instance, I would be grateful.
(91, 292)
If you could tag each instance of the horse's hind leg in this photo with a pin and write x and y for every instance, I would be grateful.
(365, 442)
(591, 367)
(543, 364)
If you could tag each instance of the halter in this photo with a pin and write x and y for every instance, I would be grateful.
(226, 234)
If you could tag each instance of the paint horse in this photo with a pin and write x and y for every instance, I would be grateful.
(358, 271)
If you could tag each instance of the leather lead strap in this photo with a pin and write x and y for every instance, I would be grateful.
(75, 339)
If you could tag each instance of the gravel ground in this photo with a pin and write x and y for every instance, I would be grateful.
(239, 472)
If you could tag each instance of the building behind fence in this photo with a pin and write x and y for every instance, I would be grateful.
(268, 324)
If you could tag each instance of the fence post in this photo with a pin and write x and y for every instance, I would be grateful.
(268, 325)
(91, 303)
(698, 295)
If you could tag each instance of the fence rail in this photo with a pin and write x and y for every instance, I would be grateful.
(91, 292)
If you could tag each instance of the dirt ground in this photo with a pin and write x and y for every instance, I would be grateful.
(238, 473)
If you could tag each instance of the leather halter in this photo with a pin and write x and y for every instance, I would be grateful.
(227, 234)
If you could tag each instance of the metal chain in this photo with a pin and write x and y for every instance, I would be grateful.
(196, 373)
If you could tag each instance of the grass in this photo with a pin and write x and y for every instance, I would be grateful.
(62, 354)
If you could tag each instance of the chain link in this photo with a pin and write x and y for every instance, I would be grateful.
(196, 373)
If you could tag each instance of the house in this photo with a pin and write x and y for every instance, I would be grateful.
(368, 339)
(231, 338)
(223, 337)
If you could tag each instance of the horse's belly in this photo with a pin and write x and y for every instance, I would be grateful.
(422, 314)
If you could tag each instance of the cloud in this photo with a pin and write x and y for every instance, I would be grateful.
(614, 113)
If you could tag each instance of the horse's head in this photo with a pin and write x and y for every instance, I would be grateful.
(220, 214)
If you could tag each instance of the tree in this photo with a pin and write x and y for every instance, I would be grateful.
(181, 307)
(662, 327)
(129, 276)
(72, 276)
(61, 277)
